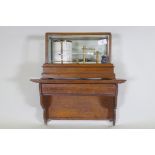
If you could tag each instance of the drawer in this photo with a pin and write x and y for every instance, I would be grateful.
(79, 89)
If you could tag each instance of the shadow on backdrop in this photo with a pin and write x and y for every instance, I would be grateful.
(29, 69)
(120, 71)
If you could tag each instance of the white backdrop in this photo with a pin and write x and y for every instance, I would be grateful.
(21, 58)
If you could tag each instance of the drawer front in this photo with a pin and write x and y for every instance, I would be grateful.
(79, 89)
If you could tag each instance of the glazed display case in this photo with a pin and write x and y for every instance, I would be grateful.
(78, 48)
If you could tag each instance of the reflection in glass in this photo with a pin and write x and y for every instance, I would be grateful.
(78, 48)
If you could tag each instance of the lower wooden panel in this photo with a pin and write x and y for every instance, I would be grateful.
(81, 107)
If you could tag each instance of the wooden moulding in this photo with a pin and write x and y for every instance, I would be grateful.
(63, 81)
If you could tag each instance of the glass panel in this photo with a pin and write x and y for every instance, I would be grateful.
(78, 49)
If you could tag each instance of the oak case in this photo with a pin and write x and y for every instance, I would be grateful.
(78, 91)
